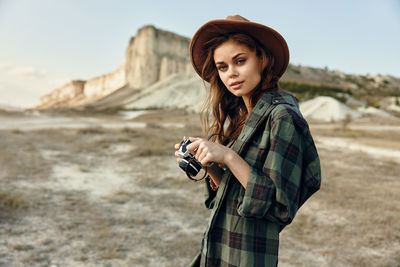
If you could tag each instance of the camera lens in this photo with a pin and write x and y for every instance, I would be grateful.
(191, 167)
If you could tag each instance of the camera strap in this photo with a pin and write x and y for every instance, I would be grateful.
(190, 176)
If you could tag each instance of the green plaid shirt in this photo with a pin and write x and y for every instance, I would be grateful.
(285, 171)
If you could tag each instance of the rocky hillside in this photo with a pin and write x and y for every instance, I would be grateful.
(157, 73)
(361, 85)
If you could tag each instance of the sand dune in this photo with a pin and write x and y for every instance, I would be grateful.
(324, 108)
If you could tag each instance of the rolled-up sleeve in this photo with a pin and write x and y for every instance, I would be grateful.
(272, 192)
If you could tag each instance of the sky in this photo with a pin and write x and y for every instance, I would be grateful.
(46, 43)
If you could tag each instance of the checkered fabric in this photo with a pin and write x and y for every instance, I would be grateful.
(285, 171)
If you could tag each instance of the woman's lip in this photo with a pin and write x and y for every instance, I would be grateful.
(236, 85)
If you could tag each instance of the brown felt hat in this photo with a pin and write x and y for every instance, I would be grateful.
(268, 37)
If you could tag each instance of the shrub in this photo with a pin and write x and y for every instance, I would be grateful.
(304, 91)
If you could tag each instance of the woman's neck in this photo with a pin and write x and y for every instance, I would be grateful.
(247, 103)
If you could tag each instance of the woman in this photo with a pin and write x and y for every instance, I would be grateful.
(266, 161)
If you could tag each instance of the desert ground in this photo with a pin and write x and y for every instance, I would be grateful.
(105, 190)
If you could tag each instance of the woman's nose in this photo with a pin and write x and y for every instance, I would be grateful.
(233, 72)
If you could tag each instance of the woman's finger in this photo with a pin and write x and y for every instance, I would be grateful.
(193, 139)
(201, 152)
(194, 146)
(206, 161)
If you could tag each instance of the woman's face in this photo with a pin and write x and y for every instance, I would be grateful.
(238, 67)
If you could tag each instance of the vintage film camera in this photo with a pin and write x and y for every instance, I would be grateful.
(188, 163)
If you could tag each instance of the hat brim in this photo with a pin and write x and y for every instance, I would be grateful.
(267, 36)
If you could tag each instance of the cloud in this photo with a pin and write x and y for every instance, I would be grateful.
(25, 72)
(22, 86)
(4, 66)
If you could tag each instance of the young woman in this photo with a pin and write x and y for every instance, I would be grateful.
(266, 164)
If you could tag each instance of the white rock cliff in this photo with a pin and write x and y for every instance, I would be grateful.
(152, 55)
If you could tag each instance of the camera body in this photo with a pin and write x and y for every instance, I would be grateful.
(188, 163)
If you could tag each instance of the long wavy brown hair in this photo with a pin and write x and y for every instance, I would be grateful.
(221, 106)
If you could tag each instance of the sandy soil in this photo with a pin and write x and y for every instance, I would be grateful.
(105, 190)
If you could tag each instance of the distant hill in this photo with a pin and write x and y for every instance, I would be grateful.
(6, 107)
(157, 74)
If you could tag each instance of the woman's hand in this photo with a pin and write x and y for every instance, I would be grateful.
(177, 147)
(207, 152)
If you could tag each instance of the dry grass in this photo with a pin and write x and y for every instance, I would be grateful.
(354, 219)
(156, 216)
(22, 247)
(12, 201)
(120, 197)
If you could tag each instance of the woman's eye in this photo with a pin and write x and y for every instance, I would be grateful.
(241, 61)
(221, 68)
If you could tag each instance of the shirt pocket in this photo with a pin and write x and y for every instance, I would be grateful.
(257, 151)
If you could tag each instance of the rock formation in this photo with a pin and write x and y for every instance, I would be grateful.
(103, 85)
(157, 74)
(152, 55)
(62, 97)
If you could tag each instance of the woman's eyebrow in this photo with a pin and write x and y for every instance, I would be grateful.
(233, 58)
(238, 55)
